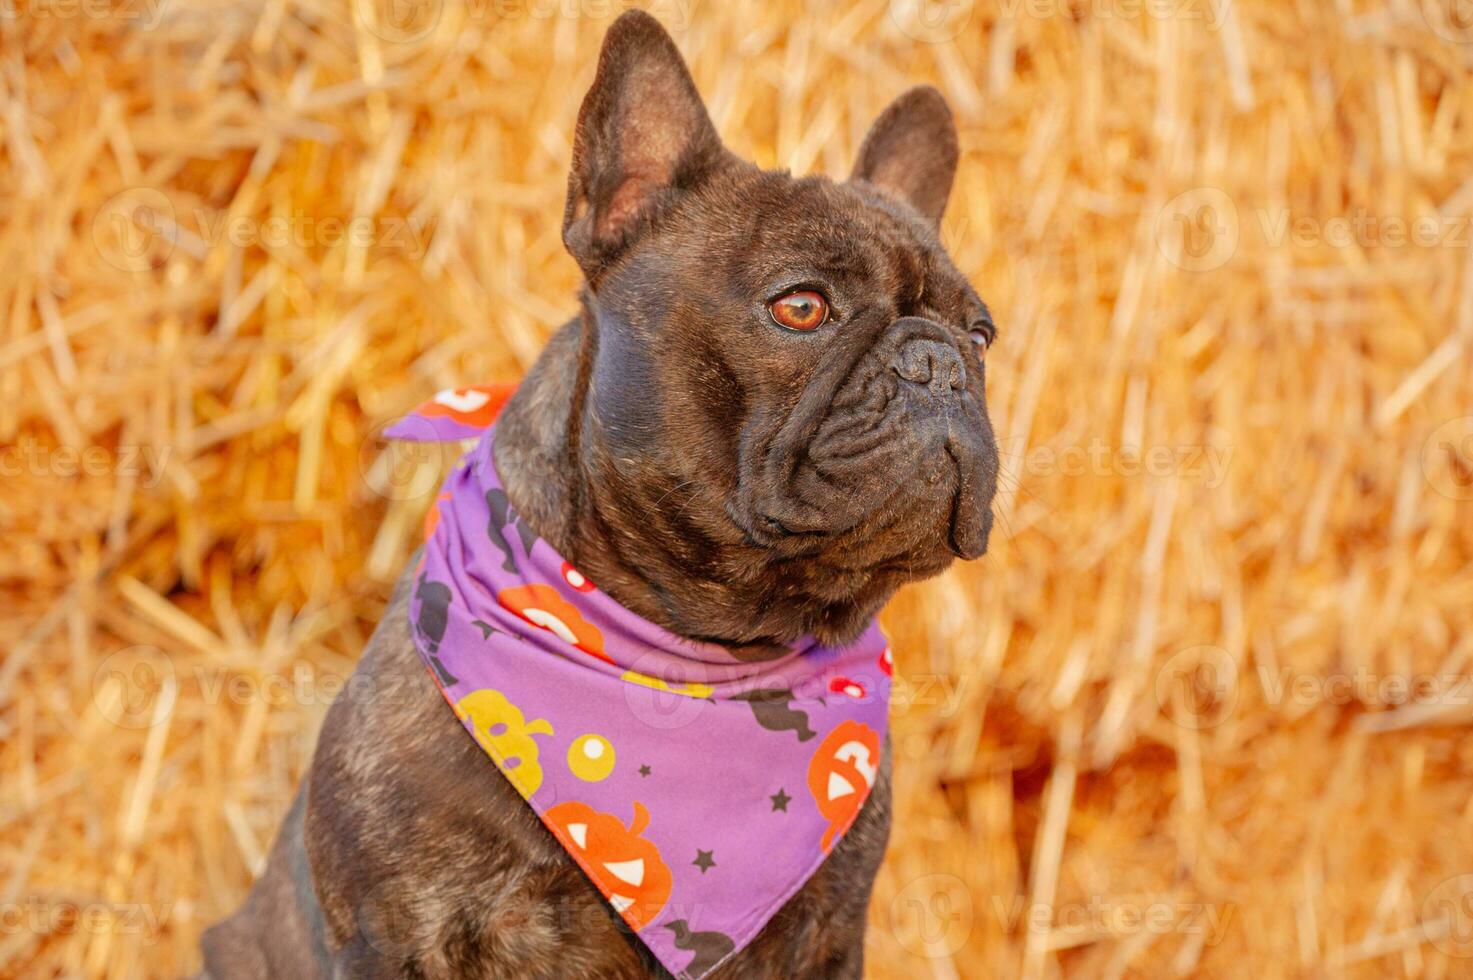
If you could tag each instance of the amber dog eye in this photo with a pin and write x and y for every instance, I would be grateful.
(983, 333)
(801, 310)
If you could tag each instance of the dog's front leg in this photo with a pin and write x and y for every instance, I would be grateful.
(278, 930)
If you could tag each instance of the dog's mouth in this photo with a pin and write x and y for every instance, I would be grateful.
(887, 506)
(970, 524)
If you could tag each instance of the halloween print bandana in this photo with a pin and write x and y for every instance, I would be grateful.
(696, 791)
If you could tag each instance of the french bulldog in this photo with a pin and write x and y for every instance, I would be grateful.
(766, 417)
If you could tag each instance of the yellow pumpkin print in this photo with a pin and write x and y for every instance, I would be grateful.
(591, 758)
(506, 736)
(645, 680)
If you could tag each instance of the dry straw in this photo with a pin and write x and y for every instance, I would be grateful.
(1156, 732)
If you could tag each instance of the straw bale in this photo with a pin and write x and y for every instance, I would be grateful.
(1235, 404)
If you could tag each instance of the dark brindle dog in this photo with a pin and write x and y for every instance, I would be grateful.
(767, 417)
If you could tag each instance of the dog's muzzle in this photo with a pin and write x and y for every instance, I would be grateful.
(947, 418)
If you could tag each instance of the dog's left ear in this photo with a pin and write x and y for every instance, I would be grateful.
(643, 136)
(911, 152)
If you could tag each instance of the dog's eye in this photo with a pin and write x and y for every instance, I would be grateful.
(800, 310)
(982, 333)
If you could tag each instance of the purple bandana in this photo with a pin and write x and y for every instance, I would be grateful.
(696, 791)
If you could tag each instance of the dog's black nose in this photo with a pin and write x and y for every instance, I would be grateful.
(932, 363)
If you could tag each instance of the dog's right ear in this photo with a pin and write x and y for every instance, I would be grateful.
(911, 152)
(643, 136)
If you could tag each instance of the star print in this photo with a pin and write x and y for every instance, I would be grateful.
(780, 801)
(644, 770)
(703, 860)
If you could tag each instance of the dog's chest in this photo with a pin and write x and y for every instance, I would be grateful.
(425, 856)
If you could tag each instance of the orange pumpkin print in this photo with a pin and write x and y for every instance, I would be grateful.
(476, 406)
(432, 521)
(627, 868)
(841, 774)
(432, 516)
(541, 606)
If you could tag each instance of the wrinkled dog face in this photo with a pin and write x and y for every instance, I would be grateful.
(788, 380)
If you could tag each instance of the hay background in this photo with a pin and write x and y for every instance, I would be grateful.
(1334, 543)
